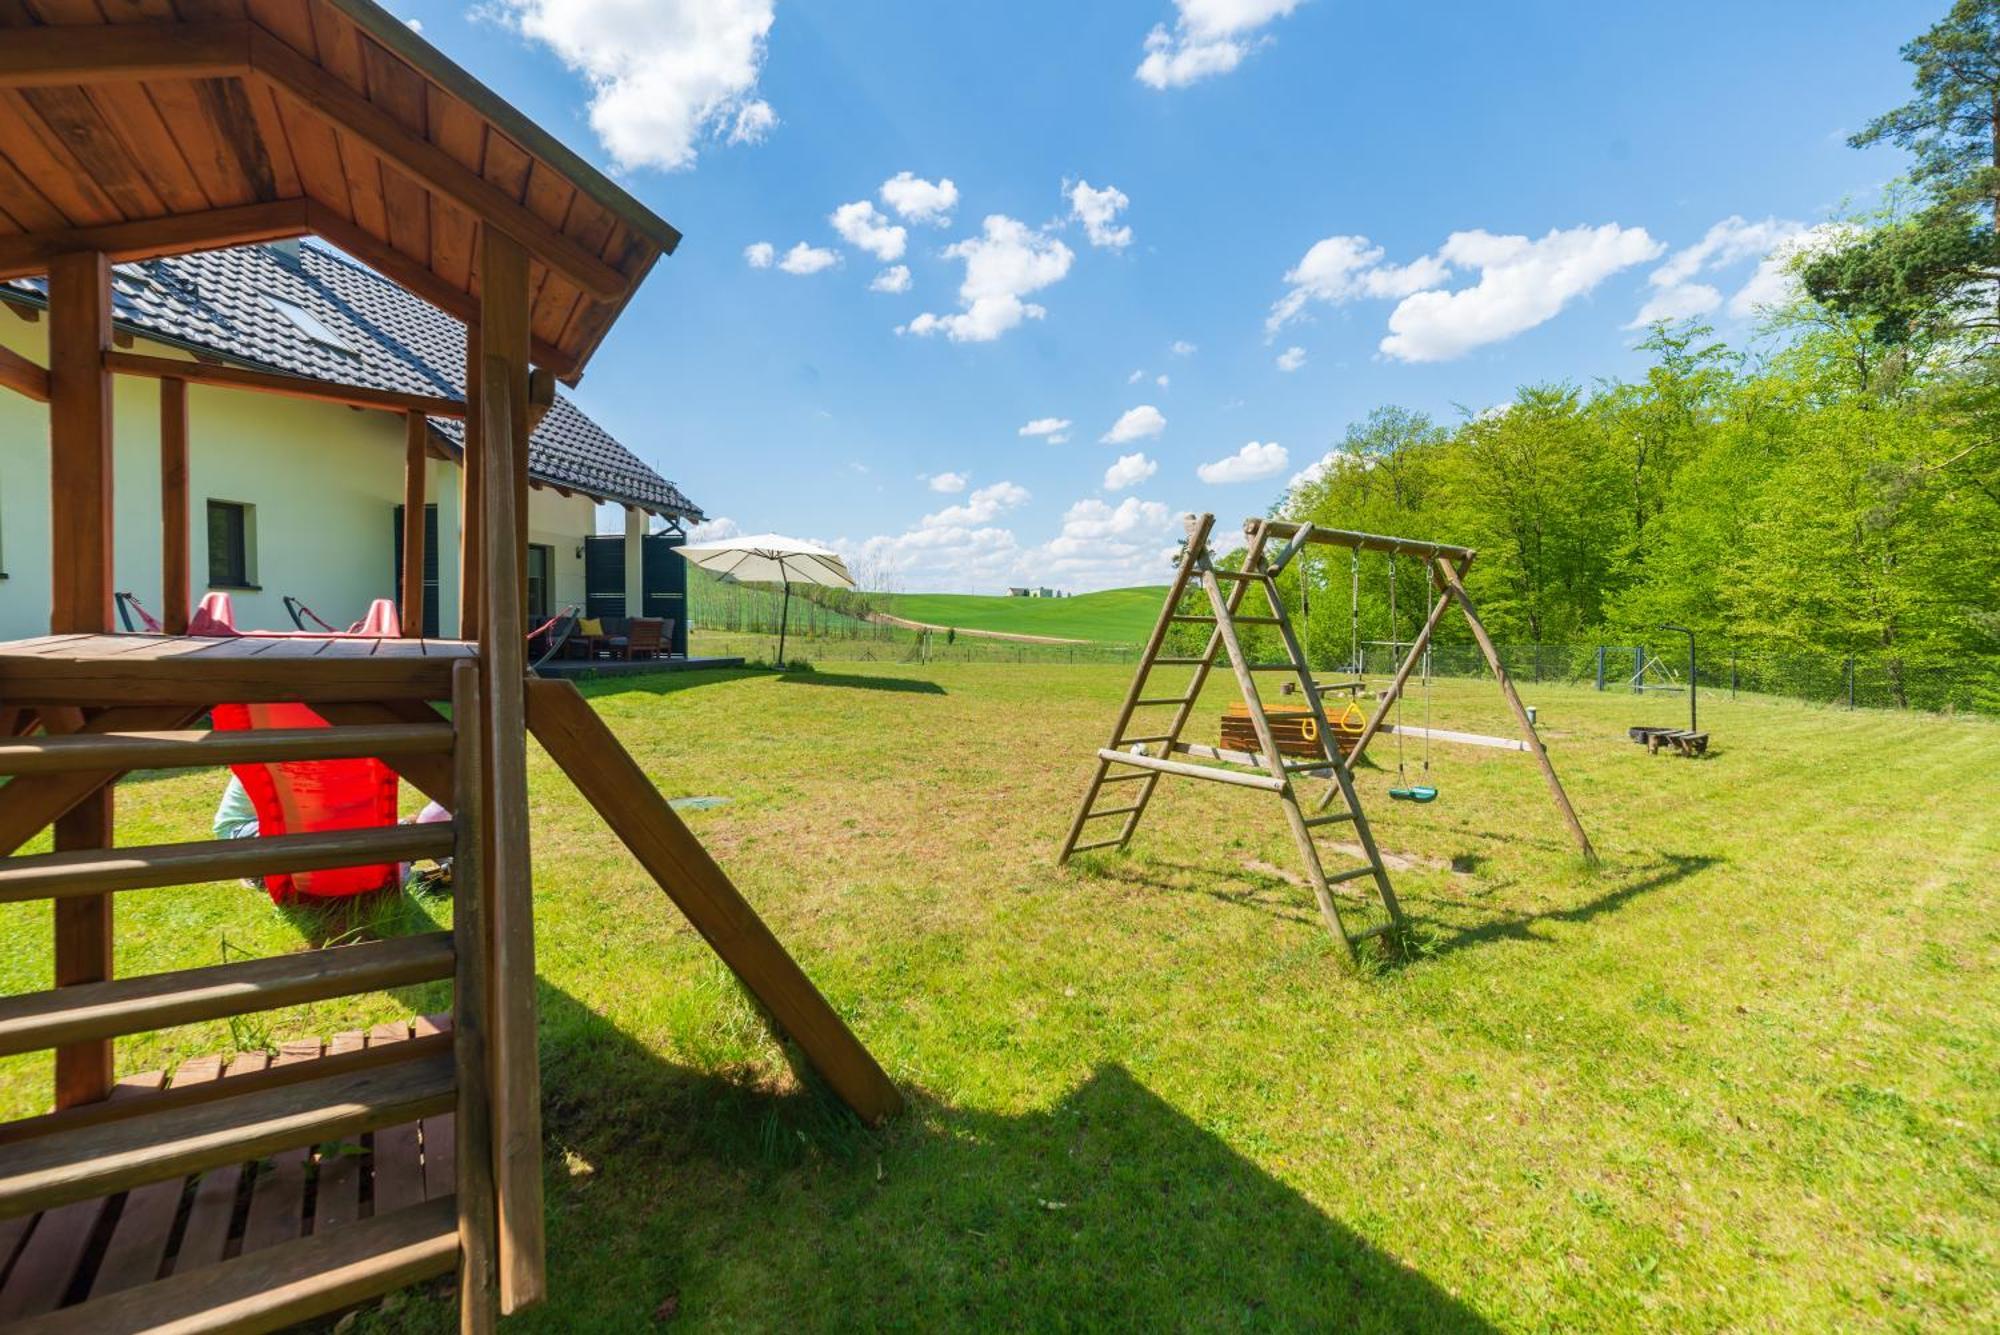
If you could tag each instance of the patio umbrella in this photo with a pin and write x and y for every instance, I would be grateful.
(767, 558)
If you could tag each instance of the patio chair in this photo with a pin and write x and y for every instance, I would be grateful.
(643, 638)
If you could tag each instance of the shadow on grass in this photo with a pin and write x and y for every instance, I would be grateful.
(1274, 895)
(1108, 1208)
(1436, 939)
(860, 682)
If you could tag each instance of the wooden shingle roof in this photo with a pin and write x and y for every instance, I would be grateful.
(180, 125)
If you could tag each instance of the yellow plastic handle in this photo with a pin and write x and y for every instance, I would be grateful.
(1309, 729)
(1352, 721)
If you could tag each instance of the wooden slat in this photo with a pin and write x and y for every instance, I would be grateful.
(186, 996)
(137, 1248)
(611, 781)
(289, 386)
(426, 163)
(41, 1174)
(100, 871)
(440, 1130)
(278, 1192)
(176, 577)
(123, 751)
(416, 466)
(44, 159)
(399, 1172)
(1263, 781)
(278, 1287)
(72, 118)
(212, 1212)
(337, 1200)
(55, 57)
(228, 670)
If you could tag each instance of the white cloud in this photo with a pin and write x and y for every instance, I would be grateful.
(1775, 281)
(715, 530)
(760, 254)
(920, 201)
(1292, 358)
(864, 227)
(1312, 472)
(1135, 377)
(1249, 464)
(1163, 380)
(1182, 348)
(414, 25)
(1129, 471)
(1098, 211)
(664, 74)
(981, 507)
(959, 546)
(895, 278)
(754, 123)
(949, 483)
(1101, 545)
(1006, 262)
(804, 259)
(1135, 424)
(1054, 429)
(1676, 296)
(1210, 37)
(1345, 268)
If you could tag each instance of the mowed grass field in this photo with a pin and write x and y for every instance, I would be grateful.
(1745, 1074)
(1113, 616)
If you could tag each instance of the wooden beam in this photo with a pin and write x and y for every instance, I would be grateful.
(1456, 588)
(478, 1273)
(611, 781)
(471, 475)
(322, 93)
(60, 57)
(147, 238)
(30, 802)
(541, 396)
(416, 435)
(504, 861)
(421, 280)
(1371, 542)
(23, 376)
(288, 386)
(176, 579)
(80, 526)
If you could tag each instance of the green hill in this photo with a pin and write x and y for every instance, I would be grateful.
(1114, 616)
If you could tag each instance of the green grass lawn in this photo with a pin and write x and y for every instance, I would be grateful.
(1114, 616)
(1744, 1075)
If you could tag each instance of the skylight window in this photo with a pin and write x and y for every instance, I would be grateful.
(309, 324)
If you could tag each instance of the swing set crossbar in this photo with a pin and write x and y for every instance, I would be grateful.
(1295, 536)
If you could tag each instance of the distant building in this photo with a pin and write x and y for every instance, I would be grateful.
(1018, 593)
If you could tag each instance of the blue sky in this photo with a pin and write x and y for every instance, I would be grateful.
(1294, 211)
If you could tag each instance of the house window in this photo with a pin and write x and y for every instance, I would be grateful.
(232, 541)
(309, 324)
(541, 576)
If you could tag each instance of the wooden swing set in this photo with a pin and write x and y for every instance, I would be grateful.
(1142, 756)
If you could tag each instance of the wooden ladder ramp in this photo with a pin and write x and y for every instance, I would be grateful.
(254, 1193)
(1151, 751)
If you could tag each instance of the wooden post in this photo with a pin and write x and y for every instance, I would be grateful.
(80, 460)
(1456, 588)
(175, 577)
(478, 1284)
(471, 469)
(416, 434)
(503, 440)
(635, 567)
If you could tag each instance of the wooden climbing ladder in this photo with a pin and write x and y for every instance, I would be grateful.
(1136, 759)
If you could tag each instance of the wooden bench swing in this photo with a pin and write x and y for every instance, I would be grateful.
(120, 1208)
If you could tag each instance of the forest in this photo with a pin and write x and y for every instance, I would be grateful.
(1830, 491)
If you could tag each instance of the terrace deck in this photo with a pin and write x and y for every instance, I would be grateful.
(139, 669)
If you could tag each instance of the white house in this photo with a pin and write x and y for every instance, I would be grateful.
(295, 497)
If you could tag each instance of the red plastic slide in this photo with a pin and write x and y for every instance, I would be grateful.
(303, 796)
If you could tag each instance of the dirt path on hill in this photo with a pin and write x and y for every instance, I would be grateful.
(884, 619)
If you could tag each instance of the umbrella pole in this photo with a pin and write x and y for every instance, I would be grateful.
(784, 615)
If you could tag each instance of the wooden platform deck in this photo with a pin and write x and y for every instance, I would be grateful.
(127, 669)
(91, 1249)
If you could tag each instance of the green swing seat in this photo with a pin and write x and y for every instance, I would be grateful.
(1415, 793)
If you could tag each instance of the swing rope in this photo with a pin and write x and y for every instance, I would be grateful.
(1354, 611)
(1396, 656)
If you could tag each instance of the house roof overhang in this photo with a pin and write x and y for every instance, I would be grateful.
(264, 119)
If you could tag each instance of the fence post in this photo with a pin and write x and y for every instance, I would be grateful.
(1850, 681)
(1600, 667)
(1732, 676)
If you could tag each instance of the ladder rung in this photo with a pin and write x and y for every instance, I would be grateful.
(1273, 667)
(1257, 621)
(1123, 778)
(1317, 821)
(1114, 811)
(1241, 576)
(1123, 742)
(1176, 700)
(1354, 875)
(1263, 781)
(93, 871)
(158, 1001)
(281, 1285)
(104, 1160)
(123, 751)
(1192, 618)
(1379, 929)
(1178, 662)
(1308, 766)
(1102, 843)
